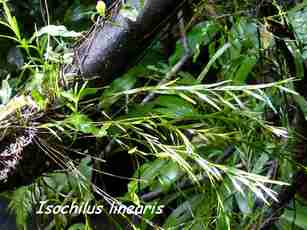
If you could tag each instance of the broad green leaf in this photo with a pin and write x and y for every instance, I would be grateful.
(15, 58)
(88, 91)
(243, 203)
(173, 106)
(86, 168)
(299, 100)
(39, 99)
(302, 103)
(101, 8)
(57, 31)
(78, 226)
(199, 36)
(21, 204)
(245, 32)
(148, 172)
(297, 216)
(168, 175)
(77, 16)
(223, 221)
(212, 60)
(70, 96)
(245, 69)
(298, 59)
(260, 163)
(137, 110)
(103, 131)
(134, 198)
(123, 83)
(297, 18)
(81, 123)
(5, 92)
(58, 182)
(183, 212)
(36, 82)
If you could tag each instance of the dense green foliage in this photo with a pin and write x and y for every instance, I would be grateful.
(214, 143)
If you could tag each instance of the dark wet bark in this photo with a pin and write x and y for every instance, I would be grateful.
(115, 45)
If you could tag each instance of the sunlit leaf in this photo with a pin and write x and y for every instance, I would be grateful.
(57, 31)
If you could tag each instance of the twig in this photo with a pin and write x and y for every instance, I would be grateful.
(285, 196)
(185, 184)
(180, 63)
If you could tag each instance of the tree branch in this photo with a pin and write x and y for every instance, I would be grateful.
(116, 44)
